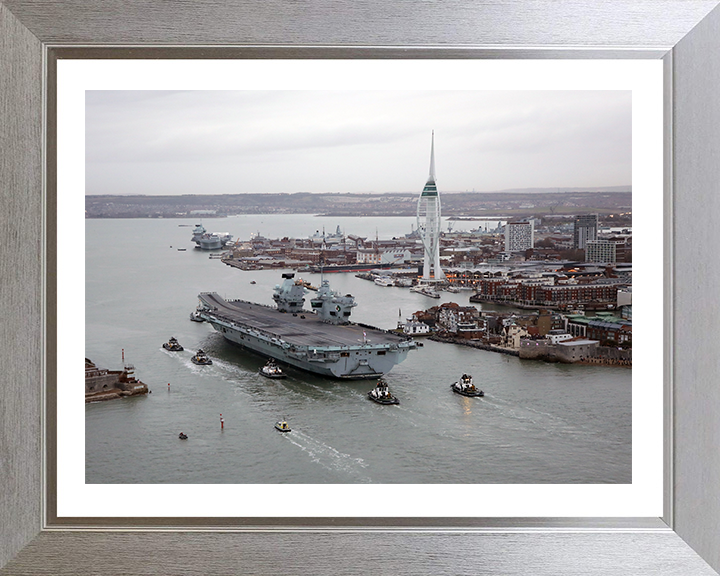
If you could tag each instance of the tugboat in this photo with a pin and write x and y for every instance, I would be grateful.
(282, 426)
(272, 370)
(201, 359)
(173, 345)
(466, 387)
(381, 394)
(195, 316)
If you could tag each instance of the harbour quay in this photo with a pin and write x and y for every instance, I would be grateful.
(603, 339)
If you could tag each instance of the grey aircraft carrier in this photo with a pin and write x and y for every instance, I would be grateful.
(323, 340)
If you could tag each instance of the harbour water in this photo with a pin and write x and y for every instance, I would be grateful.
(538, 422)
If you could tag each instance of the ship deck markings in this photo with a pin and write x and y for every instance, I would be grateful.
(309, 331)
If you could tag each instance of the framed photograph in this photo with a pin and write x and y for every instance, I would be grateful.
(659, 516)
(541, 427)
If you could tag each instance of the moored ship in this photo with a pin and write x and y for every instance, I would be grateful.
(323, 341)
(367, 267)
(425, 290)
(210, 240)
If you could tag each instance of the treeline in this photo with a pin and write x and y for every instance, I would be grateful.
(464, 203)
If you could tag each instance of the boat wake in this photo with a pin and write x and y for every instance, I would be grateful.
(330, 458)
(527, 417)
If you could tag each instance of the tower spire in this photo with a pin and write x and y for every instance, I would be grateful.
(428, 221)
(431, 178)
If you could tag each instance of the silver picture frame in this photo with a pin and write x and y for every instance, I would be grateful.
(685, 34)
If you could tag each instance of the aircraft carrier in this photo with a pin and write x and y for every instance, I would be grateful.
(322, 341)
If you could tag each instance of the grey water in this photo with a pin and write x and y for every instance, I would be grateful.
(538, 422)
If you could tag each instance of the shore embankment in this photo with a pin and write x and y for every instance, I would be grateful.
(114, 393)
(602, 356)
(474, 344)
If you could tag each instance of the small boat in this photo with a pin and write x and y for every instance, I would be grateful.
(381, 394)
(466, 387)
(201, 359)
(272, 370)
(182, 436)
(452, 289)
(403, 282)
(182, 249)
(384, 281)
(282, 426)
(173, 345)
(425, 290)
(305, 284)
(253, 282)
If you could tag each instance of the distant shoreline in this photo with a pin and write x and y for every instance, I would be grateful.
(465, 205)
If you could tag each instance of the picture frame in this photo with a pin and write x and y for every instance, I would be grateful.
(686, 540)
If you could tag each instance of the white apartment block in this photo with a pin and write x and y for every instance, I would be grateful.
(600, 251)
(519, 236)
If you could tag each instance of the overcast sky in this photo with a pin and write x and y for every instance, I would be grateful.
(230, 142)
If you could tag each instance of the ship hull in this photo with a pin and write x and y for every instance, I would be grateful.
(210, 244)
(335, 351)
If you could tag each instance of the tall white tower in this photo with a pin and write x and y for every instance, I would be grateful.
(428, 221)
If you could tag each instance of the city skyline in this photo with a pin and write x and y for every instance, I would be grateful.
(231, 142)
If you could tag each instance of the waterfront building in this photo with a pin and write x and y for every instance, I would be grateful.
(585, 229)
(459, 319)
(428, 222)
(576, 349)
(512, 334)
(626, 313)
(624, 297)
(568, 350)
(597, 293)
(602, 326)
(519, 236)
(556, 336)
(618, 332)
(550, 322)
(541, 294)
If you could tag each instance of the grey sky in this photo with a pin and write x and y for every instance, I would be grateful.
(230, 142)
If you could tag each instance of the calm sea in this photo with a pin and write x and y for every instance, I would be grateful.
(538, 422)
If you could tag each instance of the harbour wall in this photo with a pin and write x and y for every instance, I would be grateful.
(541, 350)
(474, 344)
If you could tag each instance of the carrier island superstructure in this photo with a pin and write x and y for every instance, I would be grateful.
(323, 340)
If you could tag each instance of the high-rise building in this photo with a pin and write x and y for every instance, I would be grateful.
(601, 251)
(586, 227)
(428, 221)
(519, 236)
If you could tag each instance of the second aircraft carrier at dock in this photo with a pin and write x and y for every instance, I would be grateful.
(322, 341)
